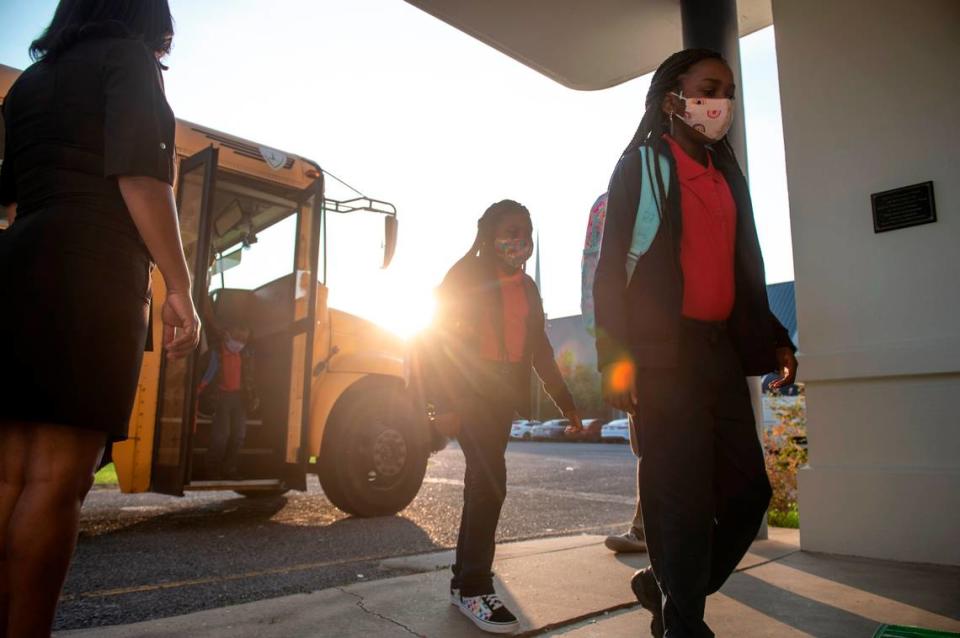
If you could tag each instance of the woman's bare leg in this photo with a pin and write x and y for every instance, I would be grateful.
(42, 532)
(13, 460)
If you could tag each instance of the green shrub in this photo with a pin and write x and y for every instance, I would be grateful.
(785, 452)
(791, 518)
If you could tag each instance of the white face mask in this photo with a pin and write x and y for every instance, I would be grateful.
(233, 345)
(710, 116)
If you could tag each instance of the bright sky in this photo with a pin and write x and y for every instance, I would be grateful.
(412, 111)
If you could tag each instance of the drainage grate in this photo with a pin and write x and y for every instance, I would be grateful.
(896, 631)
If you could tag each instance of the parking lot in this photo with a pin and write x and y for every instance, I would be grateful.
(555, 430)
(143, 556)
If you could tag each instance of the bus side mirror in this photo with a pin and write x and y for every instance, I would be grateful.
(390, 227)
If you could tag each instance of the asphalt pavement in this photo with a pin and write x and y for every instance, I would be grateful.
(144, 556)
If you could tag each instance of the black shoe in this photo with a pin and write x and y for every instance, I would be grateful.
(489, 613)
(645, 588)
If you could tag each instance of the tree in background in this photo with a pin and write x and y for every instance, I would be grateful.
(584, 384)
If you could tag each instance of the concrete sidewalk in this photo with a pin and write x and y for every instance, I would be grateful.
(572, 586)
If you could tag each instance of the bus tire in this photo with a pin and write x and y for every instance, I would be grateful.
(374, 453)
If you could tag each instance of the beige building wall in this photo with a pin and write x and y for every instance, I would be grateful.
(870, 95)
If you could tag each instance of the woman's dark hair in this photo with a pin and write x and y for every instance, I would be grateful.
(487, 225)
(76, 20)
(666, 79)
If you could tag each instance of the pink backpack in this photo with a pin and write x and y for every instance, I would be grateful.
(645, 227)
(591, 255)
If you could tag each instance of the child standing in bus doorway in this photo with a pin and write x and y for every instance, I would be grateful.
(490, 329)
(677, 338)
(229, 385)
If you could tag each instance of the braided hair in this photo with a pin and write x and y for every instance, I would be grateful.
(666, 79)
(487, 227)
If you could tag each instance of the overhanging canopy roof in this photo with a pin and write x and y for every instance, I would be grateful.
(582, 44)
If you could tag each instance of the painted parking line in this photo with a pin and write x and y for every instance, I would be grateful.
(545, 491)
(301, 567)
(276, 571)
(192, 582)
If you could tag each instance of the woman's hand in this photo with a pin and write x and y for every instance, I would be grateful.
(10, 212)
(786, 367)
(181, 325)
(620, 385)
(447, 424)
(576, 424)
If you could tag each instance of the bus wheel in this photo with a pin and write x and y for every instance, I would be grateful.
(374, 453)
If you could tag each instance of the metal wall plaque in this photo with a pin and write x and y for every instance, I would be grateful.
(903, 207)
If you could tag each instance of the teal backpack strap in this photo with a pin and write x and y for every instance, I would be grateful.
(647, 222)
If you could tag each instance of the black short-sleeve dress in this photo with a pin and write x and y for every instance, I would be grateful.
(74, 271)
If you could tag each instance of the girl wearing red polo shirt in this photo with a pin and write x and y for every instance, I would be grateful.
(677, 337)
(491, 330)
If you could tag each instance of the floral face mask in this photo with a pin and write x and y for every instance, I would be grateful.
(514, 252)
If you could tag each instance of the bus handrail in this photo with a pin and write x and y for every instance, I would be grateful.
(360, 204)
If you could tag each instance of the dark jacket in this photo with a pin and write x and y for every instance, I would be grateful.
(641, 321)
(450, 354)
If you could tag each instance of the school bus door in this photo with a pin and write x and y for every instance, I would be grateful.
(307, 299)
(177, 404)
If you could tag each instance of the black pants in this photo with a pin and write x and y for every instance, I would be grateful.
(484, 432)
(704, 486)
(229, 431)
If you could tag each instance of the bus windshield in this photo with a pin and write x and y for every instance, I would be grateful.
(249, 266)
(254, 235)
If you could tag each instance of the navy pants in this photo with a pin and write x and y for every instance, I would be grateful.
(484, 432)
(229, 431)
(704, 487)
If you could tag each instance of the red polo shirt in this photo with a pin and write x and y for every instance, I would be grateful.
(516, 310)
(709, 238)
(232, 377)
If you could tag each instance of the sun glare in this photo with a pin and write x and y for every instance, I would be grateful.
(406, 316)
(387, 298)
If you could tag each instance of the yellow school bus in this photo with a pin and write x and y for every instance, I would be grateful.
(332, 396)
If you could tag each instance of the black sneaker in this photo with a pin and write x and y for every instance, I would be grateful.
(489, 613)
(645, 588)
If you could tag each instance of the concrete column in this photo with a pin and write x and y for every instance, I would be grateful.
(713, 24)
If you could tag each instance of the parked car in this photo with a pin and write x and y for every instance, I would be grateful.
(523, 429)
(551, 430)
(592, 432)
(617, 431)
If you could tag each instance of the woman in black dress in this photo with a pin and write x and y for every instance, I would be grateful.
(87, 175)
